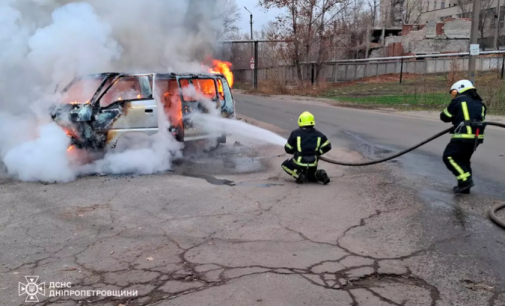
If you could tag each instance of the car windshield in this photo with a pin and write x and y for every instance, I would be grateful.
(125, 88)
(82, 90)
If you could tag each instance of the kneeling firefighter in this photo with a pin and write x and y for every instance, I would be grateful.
(466, 112)
(306, 144)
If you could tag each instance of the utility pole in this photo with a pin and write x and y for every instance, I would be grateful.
(368, 30)
(497, 29)
(384, 53)
(473, 39)
(253, 55)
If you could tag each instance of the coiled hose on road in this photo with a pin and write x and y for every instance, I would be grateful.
(491, 213)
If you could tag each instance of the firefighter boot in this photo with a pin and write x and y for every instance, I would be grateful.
(322, 176)
(464, 187)
(301, 178)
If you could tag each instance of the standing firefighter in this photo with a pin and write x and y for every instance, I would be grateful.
(306, 144)
(466, 112)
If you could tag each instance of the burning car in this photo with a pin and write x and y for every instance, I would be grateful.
(100, 109)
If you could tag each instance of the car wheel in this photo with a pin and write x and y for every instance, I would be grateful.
(211, 145)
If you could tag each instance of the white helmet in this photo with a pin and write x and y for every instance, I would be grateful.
(462, 86)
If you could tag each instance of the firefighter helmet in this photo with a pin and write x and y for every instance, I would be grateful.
(462, 86)
(306, 119)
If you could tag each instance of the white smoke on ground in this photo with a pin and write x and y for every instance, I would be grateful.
(46, 43)
(43, 158)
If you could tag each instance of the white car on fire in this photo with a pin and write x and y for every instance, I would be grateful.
(101, 109)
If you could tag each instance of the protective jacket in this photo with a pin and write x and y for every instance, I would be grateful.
(462, 112)
(307, 144)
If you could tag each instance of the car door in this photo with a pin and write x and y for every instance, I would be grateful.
(228, 104)
(131, 98)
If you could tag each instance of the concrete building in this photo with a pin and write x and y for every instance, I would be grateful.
(398, 12)
(449, 36)
(439, 10)
(401, 12)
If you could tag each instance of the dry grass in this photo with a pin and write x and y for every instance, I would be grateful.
(492, 90)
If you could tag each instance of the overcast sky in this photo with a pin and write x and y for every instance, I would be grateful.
(261, 16)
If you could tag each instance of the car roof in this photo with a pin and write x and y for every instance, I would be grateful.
(158, 73)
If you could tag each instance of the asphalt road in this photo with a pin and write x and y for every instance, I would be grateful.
(391, 131)
(231, 228)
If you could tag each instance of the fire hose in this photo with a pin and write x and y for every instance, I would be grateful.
(491, 213)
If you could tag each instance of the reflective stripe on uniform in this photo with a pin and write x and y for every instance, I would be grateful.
(299, 163)
(446, 112)
(299, 143)
(464, 106)
(462, 175)
(292, 172)
(318, 143)
(289, 146)
(467, 136)
(327, 142)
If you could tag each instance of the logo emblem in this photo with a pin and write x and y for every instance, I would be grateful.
(32, 289)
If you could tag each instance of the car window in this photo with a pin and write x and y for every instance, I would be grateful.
(186, 94)
(205, 87)
(126, 88)
(170, 98)
(81, 91)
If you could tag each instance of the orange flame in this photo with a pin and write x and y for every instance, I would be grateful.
(224, 68)
(70, 148)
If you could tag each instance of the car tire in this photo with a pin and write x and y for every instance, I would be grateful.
(212, 147)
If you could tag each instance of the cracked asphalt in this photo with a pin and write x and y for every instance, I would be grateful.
(230, 228)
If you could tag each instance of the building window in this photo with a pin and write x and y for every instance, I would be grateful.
(442, 5)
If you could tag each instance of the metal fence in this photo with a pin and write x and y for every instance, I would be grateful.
(348, 70)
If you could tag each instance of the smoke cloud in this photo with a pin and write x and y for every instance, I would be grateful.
(46, 43)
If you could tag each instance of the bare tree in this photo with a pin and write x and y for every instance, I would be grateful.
(373, 5)
(305, 23)
(464, 7)
(412, 11)
(229, 16)
(316, 31)
(485, 16)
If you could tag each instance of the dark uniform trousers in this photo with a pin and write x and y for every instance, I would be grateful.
(311, 173)
(457, 156)
(306, 144)
(461, 112)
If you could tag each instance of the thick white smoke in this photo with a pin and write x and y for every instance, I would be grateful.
(77, 42)
(46, 43)
(43, 158)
